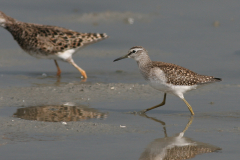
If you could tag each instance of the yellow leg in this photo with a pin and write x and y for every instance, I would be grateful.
(159, 105)
(189, 123)
(78, 68)
(58, 68)
(189, 106)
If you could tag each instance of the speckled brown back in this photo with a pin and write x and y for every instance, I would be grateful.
(178, 75)
(49, 39)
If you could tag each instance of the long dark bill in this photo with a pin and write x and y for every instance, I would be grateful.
(123, 57)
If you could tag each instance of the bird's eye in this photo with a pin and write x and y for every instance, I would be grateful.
(134, 51)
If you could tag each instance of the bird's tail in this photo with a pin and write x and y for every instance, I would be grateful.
(217, 79)
(209, 79)
(94, 37)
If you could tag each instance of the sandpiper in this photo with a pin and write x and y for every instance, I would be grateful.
(49, 42)
(167, 77)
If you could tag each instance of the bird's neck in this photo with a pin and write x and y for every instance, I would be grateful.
(15, 28)
(144, 65)
(143, 60)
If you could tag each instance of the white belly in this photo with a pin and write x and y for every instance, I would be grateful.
(59, 56)
(161, 86)
(169, 88)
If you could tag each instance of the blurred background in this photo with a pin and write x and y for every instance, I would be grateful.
(200, 35)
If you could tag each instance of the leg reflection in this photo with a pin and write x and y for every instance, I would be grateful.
(175, 147)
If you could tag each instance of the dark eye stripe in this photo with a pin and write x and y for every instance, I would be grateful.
(133, 51)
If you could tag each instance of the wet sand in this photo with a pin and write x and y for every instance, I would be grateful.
(77, 114)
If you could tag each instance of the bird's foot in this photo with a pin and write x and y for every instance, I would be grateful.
(142, 112)
(84, 80)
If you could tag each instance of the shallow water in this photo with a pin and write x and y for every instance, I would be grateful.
(182, 33)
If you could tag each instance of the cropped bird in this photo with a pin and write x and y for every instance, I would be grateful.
(49, 42)
(167, 77)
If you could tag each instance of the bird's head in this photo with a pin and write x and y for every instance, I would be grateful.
(136, 53)
(4, 19)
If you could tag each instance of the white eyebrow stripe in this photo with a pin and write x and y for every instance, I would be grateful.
(136, 49)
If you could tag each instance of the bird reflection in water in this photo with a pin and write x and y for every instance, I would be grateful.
(58, 113)
(175, 148)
